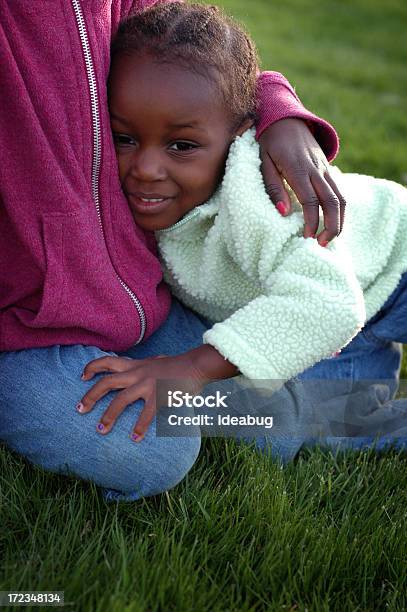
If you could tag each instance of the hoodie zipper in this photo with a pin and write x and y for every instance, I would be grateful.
(97, 146)
(179, 223)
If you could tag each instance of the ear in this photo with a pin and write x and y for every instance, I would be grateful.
(245, 125)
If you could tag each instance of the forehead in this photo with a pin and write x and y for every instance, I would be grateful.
(139, 85)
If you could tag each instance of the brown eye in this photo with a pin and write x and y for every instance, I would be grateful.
(182, 146)
(122, 140)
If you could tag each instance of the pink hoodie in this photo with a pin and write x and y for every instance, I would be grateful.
(73, 267)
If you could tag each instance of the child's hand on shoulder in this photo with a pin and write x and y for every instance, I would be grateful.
(289, 150)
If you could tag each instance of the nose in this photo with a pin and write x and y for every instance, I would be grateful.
(147, 165)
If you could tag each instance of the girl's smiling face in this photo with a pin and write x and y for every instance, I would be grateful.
(172, 134)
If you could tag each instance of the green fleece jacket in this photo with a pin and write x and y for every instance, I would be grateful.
(280, 302)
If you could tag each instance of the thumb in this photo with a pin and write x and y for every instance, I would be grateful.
(274, 186)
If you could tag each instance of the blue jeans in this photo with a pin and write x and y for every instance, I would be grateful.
(39, 389)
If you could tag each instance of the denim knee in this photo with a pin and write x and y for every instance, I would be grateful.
(39, 389)
(171, 461)
(150, 467)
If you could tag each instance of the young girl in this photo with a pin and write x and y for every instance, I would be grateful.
(182, 102)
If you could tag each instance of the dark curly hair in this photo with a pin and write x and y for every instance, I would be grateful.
(202, 38)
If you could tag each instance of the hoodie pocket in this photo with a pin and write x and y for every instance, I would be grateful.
(55, 233)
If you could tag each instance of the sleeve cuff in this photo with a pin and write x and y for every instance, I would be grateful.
(278, 100)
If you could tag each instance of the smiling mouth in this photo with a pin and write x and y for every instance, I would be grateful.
(148, 204)
(153, 200)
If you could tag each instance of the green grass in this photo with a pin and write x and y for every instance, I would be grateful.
(240, 533)
(347, 60)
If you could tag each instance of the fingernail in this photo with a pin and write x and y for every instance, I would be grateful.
(101, 427)
(135, 437)
(83, 376)
(282, 208)
(324, 243)
(80, 407)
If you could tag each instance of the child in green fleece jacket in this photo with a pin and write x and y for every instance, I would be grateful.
(190, 168)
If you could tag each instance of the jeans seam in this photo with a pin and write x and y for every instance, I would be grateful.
(371, 337)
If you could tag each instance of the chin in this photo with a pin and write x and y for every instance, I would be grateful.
(149, 224)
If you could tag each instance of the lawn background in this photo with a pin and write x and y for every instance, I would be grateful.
(240, 533)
